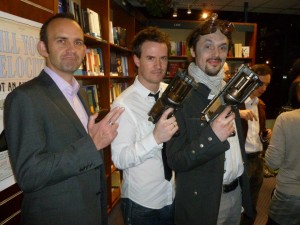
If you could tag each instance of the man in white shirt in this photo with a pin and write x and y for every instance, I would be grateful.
(256, 135)
(147, 197)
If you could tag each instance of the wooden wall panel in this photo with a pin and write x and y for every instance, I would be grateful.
(36, 10)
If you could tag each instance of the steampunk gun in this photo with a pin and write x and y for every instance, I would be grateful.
(236, 91)
(173, 96)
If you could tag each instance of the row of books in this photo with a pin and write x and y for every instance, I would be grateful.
(116, 89)
(88, 19)
(240, 51)
(178, 48)
(93, 96)
(118, 35)
(93, 64)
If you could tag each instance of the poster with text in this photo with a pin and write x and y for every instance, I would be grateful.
(19, 62)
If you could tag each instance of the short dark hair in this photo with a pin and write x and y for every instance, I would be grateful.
(209, 26)
(261, 69)
(43, 31)
(149, 34)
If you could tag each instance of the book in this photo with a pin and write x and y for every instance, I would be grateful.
(77, 13)
(89, 62)
(101, 72)
(120, 66)
(238, 50)
(62, 6)
(115, 36)
(124, 65)
(93, 96)
(121, 36)
(111, 32)
(94, 23)
(85, 21)
(173, 48)
(113, 64)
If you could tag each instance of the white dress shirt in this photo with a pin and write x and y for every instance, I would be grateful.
(136, 152)
(253, 143)
(233, 166)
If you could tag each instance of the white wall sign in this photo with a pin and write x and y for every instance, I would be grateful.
(19, 62)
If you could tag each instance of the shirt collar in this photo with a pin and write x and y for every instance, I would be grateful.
(144, 92)
(64, 86)
(251, 101)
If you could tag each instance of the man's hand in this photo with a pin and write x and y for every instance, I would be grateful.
(223, 125)
(165, 128)
(248, 115)
(105, 131)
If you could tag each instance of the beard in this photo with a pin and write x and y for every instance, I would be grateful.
(212, 71)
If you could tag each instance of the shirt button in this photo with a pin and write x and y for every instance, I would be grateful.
(201, 145)
(210, 138)
(224, 171)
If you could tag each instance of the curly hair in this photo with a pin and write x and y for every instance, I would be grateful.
(210, 26)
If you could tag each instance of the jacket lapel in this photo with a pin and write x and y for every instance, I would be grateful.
(58, 98)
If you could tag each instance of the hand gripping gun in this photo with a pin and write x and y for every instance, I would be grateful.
(173, 96)
(236, 91)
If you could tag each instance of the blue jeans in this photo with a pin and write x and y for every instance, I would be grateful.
(135, 214)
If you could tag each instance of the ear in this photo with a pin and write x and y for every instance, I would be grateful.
(192, 52)
(41, 47)
(136, 60)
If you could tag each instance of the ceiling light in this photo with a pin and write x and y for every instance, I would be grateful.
(189, 11)
(204, 15)
(175, 12)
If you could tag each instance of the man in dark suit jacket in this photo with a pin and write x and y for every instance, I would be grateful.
(53, 144)
(256, 136)
(211, 182)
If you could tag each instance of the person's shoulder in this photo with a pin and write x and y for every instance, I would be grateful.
(163, 85)
(29, 86)
(125, 95)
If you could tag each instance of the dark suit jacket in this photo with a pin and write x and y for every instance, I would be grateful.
(54, 160)
(197, 156)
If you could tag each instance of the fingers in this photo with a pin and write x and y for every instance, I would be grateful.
(93, 116)
(165, 115)
(113, 115)
(248, 115)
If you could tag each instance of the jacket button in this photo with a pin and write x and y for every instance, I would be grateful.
(201, 145)
(210, 138)
(195, 193)
(193, 151)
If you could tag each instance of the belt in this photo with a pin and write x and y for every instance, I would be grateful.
(230, 187)
(253, 155)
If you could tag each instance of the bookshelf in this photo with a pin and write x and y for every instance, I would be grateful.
(108, 10)
(245, 34)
